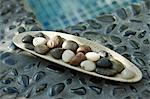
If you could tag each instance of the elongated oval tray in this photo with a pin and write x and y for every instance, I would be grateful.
(95, 47)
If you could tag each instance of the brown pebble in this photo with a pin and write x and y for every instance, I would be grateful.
(77, 59)
(41, 49)
(55, 41)
(84, 49)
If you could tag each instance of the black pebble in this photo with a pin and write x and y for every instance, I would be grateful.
(129, 32)
(21, 29)
(27, 39)
(104, 63)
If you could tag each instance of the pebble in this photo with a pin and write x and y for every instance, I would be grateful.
(121, 49)
(123, 27)
(39, 41)
(57, 52)
(67, 55)
(115, 39)
(70, 45)
(127, 74)
(56, 89)
(106, 71)
(109, 46)
(118, 66)
(29, 46)
(146, 41)
(96, 89)
(41, 87)
(136, 9)
(134, 44)
(79, 91)
(40, 35)
(106, 18)
(104, 63)
(84, 49)
(129, 32)
(141, 34)
(122, 13)
(41, 49)
(103, 53)
(21, 29)
(23, 80)
(111, 28)
(27, 39)
(38, 76)
(93, 24)
(77, 59)
(36, 28)
(88, 65)
(93, 56)
(55, 41)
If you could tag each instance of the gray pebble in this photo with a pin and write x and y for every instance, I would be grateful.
(123, 27)
(110, 28)
(115, 39)
(122, 13)
(134, 44)
(106, 18)
(106, 71)
(57, 53)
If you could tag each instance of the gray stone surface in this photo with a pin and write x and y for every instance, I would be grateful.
(25, 75)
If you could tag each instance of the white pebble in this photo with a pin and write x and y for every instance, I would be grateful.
(102, 53)
(127, 74)
(67, 55)
(39, 41)
(88, 65)
(93, 56)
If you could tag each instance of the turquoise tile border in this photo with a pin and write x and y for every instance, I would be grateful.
(57, 14)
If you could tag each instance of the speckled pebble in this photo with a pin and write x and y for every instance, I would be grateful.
(67, 55)
(41, 49)
(93, 56)
(39, 41)
(127, 74)
(70, 45)
(88, 65)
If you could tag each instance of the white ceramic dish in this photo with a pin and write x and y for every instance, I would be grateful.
(95, 47)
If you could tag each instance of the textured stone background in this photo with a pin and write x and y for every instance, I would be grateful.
(126, 31)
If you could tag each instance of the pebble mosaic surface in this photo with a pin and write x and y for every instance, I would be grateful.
(126, 31)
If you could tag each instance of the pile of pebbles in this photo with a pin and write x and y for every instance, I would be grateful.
(77, 55)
